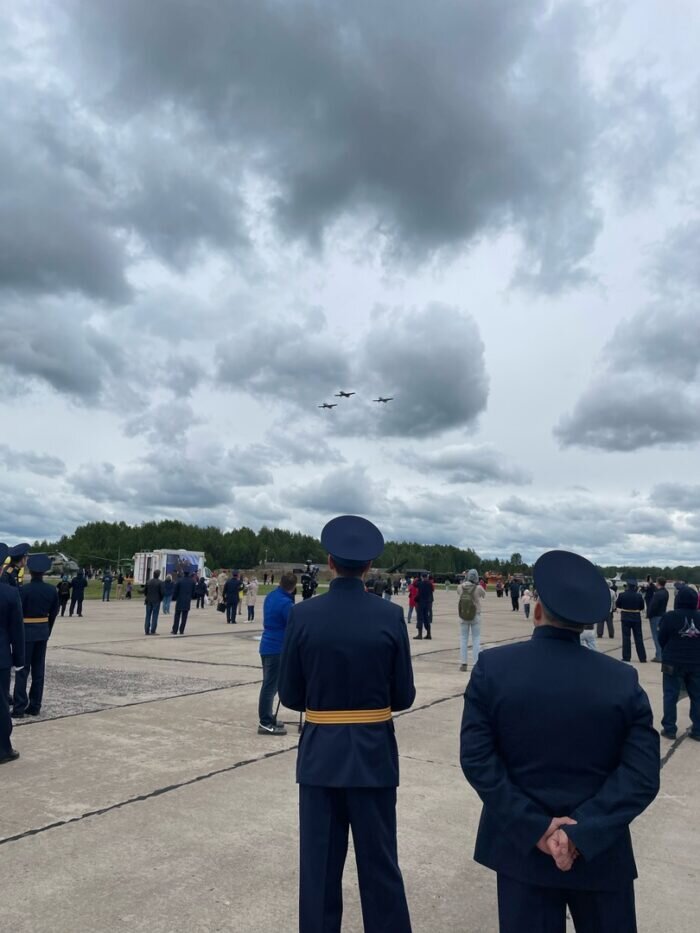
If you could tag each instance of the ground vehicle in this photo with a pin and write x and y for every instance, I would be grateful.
(168, 562)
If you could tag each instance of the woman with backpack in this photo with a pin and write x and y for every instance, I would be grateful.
(471, 595)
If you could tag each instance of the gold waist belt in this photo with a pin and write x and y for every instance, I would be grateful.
(30, 619)
(344, 717)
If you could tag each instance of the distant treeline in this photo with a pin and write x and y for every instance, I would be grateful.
(100, 543)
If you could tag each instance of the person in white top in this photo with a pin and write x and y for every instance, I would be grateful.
(251, 595)
(472, 592)
(527, 601)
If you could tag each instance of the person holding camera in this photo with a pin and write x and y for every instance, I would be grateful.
(276, 608)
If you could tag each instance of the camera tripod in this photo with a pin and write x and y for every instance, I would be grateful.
(301, 716)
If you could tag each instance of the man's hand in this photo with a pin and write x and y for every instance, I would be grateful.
(557, 821)
(562, 850)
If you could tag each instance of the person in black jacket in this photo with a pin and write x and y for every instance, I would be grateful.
(63, 590)
(200, 591)
(679, 637)
(559, 743)
(11, 657)
(182, 594)
(78, 586)
(232, 596)
(424, 606)
(631, 606)
(655, 610)
(153, 596)
(39, 608)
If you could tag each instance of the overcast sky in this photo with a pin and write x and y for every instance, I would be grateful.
(214, 215)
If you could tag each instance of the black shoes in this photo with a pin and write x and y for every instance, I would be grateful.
(12, 755)
(463, 667)
(418, 637)
(668, 735)
(428, 637)
(17, 715)
(33, 712)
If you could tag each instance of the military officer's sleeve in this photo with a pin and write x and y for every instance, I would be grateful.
(292, 683)
(16, 630)
(53, 610)
(521, 819)
(628, 791)
(402, 690)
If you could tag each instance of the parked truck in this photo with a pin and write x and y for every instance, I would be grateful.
(168, 562)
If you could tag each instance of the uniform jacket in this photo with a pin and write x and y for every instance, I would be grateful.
(232, 590)
(78, 584)
(183, 592)
(425, 593)
(552, 729)
(631, 605)
(347, 650)
(8, 575)
(11, 628)
(39, 600)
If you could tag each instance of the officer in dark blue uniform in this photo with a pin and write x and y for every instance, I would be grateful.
(182, 594)
(632, 607)
(18, 558)
(559, 744)
(231, 596)
(78, 585)
(346, 662)
(11, 656)
(40, 608)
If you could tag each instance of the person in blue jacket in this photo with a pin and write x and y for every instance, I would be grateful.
(39, 607)
(11, 657)
(276, 608)
(182, 594)
(78, 585)
(559, 744)
(679, 638)
(346, 663)
(106, 585)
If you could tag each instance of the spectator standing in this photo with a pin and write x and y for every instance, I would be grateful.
(251, 597)
(470, 595)
(515, 595)
(424, 607)
(231, 595)
(200, 591)
(656, 610)
(412, 598)
(106, 585)
(212, 591)
(631, 605)
(39, 608)
(120, 585)
(499, 589)
(182, 594)
(11, 657)
(276, 608)
(272, 579)
(265, 579)
(610, 619)
(78, 586)
(679, 637)
(155, 591)
(527, 600)
(168, 587)
(388, 589)
(129, 587)
(63, 590)
(241, 595)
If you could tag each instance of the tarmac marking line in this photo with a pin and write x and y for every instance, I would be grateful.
(149, 657)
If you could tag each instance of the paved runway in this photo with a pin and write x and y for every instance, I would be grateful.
(144, 799)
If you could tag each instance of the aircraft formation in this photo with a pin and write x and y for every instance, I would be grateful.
(343, 394)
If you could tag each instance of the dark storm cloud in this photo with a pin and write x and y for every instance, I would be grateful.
(61, 349)
(465, 463)
(427, 121)
(31, 462)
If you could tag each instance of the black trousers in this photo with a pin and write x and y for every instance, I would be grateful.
(231, 609)
(526, 908)
(76, 602)
(609, 622)
(180, 621)
(325, 816)
(5, 718)
(34, 664)
(515, 600)
(200, 601)
(424, 617)
(632, 627)
(63, 602)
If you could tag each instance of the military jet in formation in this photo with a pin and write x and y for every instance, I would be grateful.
(343, 394)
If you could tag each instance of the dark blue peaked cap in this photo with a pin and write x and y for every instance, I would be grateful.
(352, 541)
(571, 588)
(39, 563)
(19, 550)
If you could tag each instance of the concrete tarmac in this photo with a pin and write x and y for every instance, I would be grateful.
(144, 800)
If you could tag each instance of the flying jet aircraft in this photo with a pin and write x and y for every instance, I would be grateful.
(342, 394)
(385, 400)
(327, 405)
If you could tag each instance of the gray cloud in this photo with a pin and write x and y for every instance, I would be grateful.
(391, 101)
(32, 462)
(680, 496)
(346, 490)
(467, 463)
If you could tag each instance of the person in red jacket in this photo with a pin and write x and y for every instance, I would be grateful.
(412, 595)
